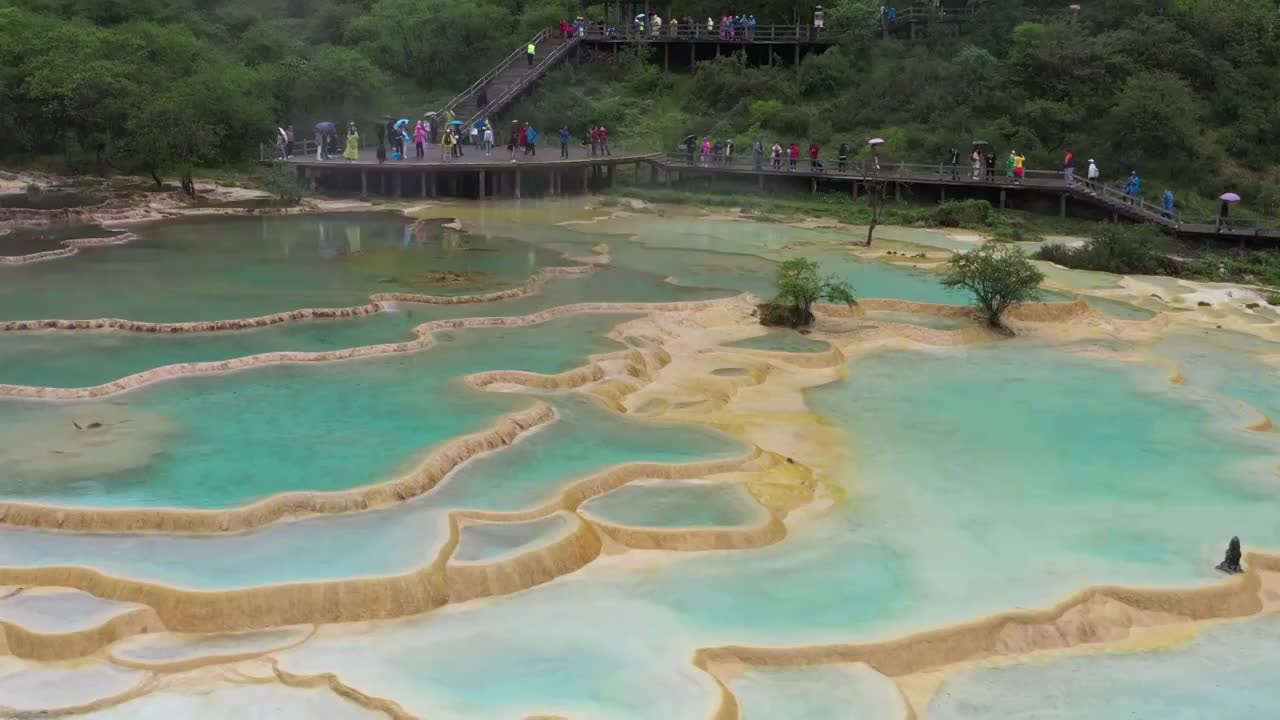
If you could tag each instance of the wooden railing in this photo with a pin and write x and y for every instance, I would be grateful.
(538, 70)
(698, 31)
(494, 72)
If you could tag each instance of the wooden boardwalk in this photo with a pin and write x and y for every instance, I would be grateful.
(959, 181)
(474, 175)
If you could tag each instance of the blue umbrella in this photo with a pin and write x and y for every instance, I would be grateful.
(326, 128)
(400, 124)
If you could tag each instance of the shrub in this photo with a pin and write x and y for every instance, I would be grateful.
(1273, 298)
(1121, 249)
(799, 286)
(963, 213)
(281, 182)
(998, 276)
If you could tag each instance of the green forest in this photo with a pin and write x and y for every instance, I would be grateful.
(1187, 92)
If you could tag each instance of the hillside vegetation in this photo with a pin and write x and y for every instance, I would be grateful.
(1187, 92)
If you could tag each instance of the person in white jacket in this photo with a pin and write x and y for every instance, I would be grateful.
(1093, 174)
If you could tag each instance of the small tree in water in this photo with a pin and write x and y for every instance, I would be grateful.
(998, 276)
(799, 286)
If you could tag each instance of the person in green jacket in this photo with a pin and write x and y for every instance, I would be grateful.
(1010, 163)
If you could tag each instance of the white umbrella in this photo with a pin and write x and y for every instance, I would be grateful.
(876, 141)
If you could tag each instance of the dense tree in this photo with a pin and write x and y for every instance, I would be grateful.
(999, 276)
(799, 286)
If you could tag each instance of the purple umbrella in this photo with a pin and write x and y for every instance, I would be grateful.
(1229, 197)
(876, 141)
(326, 128)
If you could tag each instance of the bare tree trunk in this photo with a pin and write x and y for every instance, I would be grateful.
(159, 183)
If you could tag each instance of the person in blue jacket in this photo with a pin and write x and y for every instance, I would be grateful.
(1133, 185)
(531, 142)
(564, 141)
(1166, 202)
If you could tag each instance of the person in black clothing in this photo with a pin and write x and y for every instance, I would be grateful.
(382, 145)
(955, 164)
(482, 98)
(844, 156)
(991, 166)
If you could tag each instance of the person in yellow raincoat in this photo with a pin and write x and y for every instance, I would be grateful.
(352, 151)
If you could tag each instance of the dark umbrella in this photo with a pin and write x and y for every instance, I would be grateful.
(326, 128)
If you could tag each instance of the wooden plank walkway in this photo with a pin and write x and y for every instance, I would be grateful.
(960, 177)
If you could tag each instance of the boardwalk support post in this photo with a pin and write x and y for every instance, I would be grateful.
(1002, 198)
(518, 176)
(397, 184)
(760, 183)
(943, 190)
(1062, 205)
(433, 184)
(481, 193)
(364, 183)
(813, 186)
(422, 181)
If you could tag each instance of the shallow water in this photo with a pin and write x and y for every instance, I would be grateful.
(677, 504)
(782, 340)
(222, 440)
(26, 241)
(975, 480)
(222, 268)
(486, 541)
(1228, 674)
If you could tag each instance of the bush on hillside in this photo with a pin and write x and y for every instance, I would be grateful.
(963, 213)
(1120, 249)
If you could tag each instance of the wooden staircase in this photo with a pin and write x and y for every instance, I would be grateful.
(507, 80)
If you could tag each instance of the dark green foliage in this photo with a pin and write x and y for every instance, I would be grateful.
(963, 213)
(999, 276)
(799, 286)
(281, 182)
(1122, 249)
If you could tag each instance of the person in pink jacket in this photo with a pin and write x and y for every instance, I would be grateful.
(706, 151)
(420, 139)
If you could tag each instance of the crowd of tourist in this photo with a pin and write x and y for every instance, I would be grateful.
(394, 136)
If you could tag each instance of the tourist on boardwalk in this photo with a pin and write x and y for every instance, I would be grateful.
(1009, 165)
(513, 139)
(728, 151)
(522, 138)
(711, 27)
(751, 27)
(843, 156)
(531, 141)
(1166, 202)
(324, 131)
(282, 144)
(656, 25)
(975, 161)
(1019, 168)
(1132, 185)
(794, 156)
(776, 154)
(819, 19)
(564, 141)
(955, 163)
(447, 145)
(604, 140)
(529, 52)
(352, 151)
(706, 151)
(594, 137)
(488, 140)
(288, 142)
(381, 152)
(719, 151)
(1069, 169)
(1092, 174)
(420, 140)
(991, 166)
(757, 154)
(814, 149)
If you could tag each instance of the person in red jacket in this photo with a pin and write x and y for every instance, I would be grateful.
(794, 154)
(813, 155)
(604, 140)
